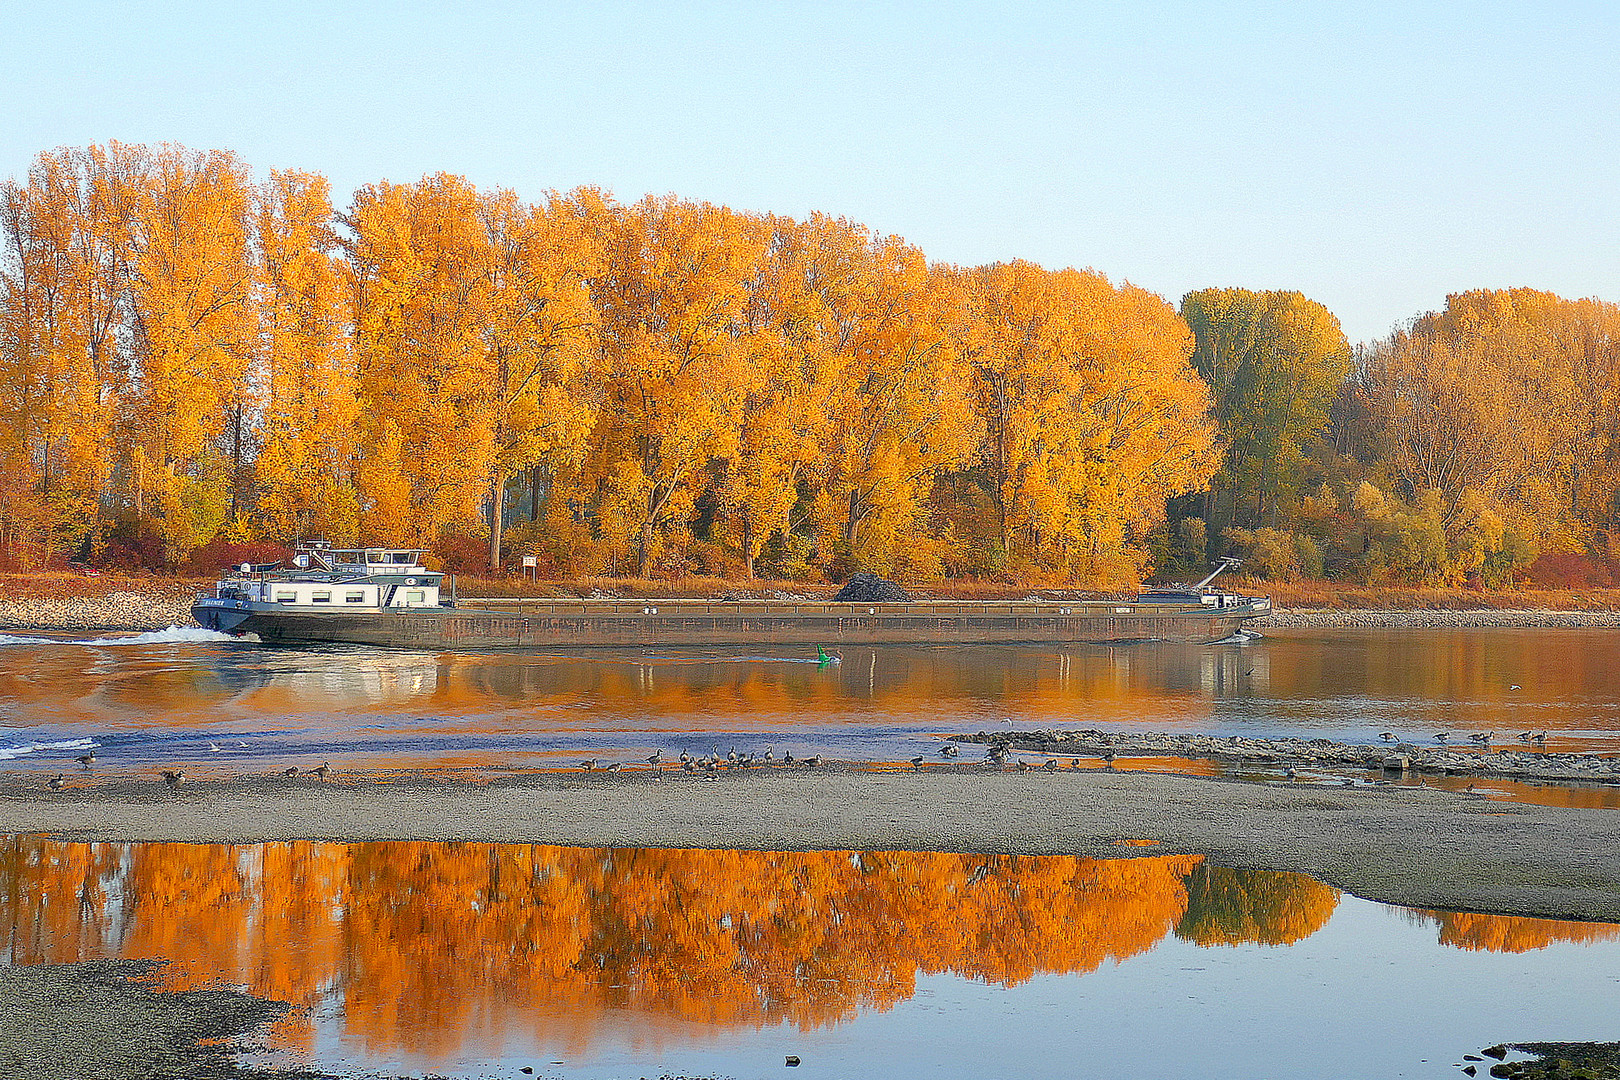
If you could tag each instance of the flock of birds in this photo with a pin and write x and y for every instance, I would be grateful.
(710, 764)
(1482, 739)
(175, 777)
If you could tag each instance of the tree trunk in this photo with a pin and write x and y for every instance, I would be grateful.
(853, 520)
(644, 551)
(748, 547)
(497, 489)
(534, 494)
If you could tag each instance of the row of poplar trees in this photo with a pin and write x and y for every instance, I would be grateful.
(191, 355)
(648, 388)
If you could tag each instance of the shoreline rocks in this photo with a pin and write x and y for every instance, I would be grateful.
(1435, 618)
(1507, 763)
(157, 609)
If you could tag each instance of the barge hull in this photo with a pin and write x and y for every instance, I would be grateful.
(539, 626)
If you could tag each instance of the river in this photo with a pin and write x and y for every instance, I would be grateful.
(213, 704)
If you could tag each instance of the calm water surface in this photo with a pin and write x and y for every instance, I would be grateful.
(479, 959)
(190, 697)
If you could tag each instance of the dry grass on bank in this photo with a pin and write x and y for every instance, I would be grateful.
(61, 585)
(73, 584)
(1333, 594)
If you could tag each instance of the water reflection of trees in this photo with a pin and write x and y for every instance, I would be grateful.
(1510, 933)
(1233, 907)
(426, 941)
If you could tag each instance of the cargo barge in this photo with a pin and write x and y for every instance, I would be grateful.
(386, 597)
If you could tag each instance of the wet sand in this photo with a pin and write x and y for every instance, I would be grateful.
(1420, 847)
(104, 1019)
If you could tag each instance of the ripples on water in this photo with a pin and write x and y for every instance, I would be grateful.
(192, 697)
(462, 958)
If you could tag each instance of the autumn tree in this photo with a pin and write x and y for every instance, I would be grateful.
(1274, 362)
(670, 296)
(305, 475)
(187, 392)
(1505, 402)
(60, 308)
(795, 320)
(1093, 417)
(902, 405)
(542, 355)
(420, 280)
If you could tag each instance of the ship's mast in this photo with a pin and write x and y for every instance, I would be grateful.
(1220, 567)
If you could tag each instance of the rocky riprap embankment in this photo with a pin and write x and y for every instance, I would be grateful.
(1506, 762)
(1432, 618)
(155, 610)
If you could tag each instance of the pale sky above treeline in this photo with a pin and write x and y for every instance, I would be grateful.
(1375, 157)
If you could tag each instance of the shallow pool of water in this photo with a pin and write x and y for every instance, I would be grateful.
(481, 959)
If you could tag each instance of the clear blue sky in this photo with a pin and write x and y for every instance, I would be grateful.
(1375, 156)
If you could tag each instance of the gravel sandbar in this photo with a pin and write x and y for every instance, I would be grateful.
(1421, 847)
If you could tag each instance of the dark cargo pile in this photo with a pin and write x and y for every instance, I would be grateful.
(866, 588)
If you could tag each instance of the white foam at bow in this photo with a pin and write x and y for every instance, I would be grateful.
(172, 635)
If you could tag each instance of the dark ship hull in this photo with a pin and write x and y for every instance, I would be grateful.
(541, 624)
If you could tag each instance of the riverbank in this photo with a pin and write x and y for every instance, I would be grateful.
(1434, 619)
(1414, 846)
(63, 603)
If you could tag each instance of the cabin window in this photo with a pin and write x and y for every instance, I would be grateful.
(416, 596)
(403, 558)
(354, 598)
(321, 596)
(376, 557)
(286, 598)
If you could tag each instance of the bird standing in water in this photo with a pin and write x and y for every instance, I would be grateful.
(86, 760)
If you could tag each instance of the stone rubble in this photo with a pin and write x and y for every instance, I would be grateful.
(1433, 618)
(1504, 762)
(155, 610)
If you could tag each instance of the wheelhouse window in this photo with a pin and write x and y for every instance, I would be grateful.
(321, 596)
(354, 598)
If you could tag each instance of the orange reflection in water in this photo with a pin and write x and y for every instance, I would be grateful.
(1510, 934)
(432, 946)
